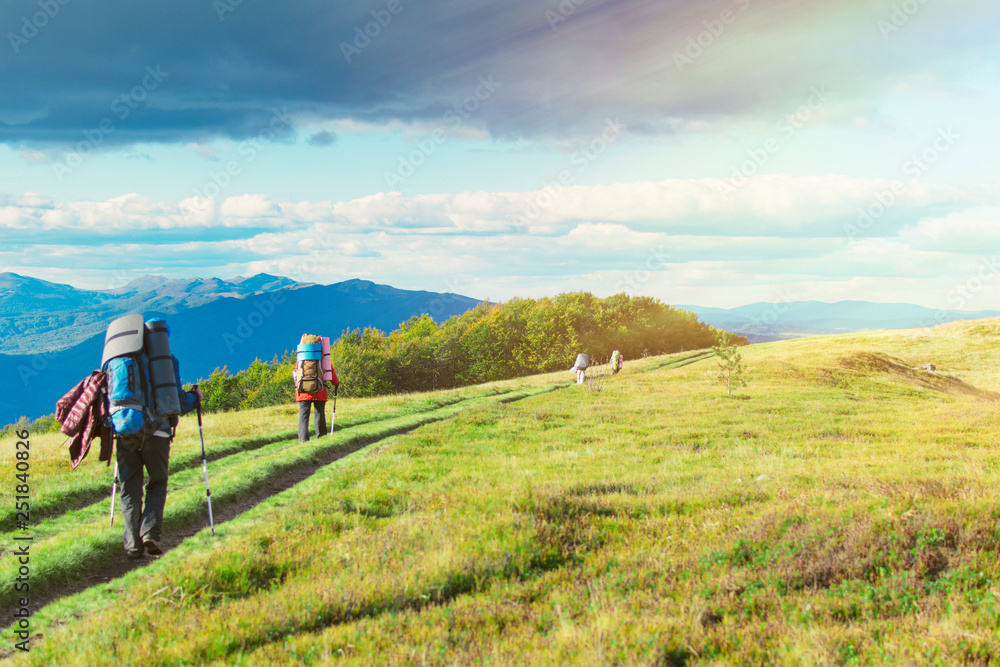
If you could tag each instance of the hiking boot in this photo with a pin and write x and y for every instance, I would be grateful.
(153, 547)
(138, 554)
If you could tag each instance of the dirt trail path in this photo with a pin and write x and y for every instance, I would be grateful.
(120, 566)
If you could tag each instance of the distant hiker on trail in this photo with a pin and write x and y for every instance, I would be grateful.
(145, 401)
(582, 362)
(312, 371)
(617, 361)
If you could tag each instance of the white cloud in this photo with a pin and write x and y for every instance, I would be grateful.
(681, 237)
(773, 205)
(246, 207)
(970, 231)
(34, 200)
(125, 215)
(207, 151)
(35, 157)
(357, 249)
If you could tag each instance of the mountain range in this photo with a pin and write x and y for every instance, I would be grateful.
(213, 323)
(39, 315)
(51, 335)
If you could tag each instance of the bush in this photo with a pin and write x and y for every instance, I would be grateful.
(489, 342)
(45, 424)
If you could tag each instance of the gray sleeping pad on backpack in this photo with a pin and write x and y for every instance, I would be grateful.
(162, 376)
(124, 336)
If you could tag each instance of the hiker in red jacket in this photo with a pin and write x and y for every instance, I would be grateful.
(307, 401)
(313, 369)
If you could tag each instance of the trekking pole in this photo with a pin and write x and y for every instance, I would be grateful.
(204, 466)
(114, 492)
(333, 424)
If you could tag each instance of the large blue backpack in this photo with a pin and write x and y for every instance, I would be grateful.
(139, 391)
(128, 387)
(128, 379)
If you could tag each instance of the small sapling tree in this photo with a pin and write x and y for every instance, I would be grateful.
(731, 371)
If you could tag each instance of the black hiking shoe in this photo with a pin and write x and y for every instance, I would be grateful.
(138, 554)
(153, 547)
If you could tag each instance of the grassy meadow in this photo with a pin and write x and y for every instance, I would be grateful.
(841, 509)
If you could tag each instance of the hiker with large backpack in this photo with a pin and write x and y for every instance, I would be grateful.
(145, 401)
(617, 361)
(580, 367)
(313, 370)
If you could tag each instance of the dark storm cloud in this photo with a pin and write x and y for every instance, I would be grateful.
(323, 138)
(193, 70)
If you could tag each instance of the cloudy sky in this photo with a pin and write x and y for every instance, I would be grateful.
(716, 152)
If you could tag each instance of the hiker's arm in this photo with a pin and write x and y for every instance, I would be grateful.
(189, 399)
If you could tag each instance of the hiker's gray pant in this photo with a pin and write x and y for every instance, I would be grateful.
(304, 407)
(135, 453)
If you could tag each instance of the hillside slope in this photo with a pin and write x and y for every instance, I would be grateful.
(762, 322)
(841, 509)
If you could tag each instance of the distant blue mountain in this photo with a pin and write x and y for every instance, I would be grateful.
(51, 335)
(762, 322)
(38, 315)
(227, 331)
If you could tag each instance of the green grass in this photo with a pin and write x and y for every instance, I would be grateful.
(621, 526)
(54, 490)
(67, 547)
